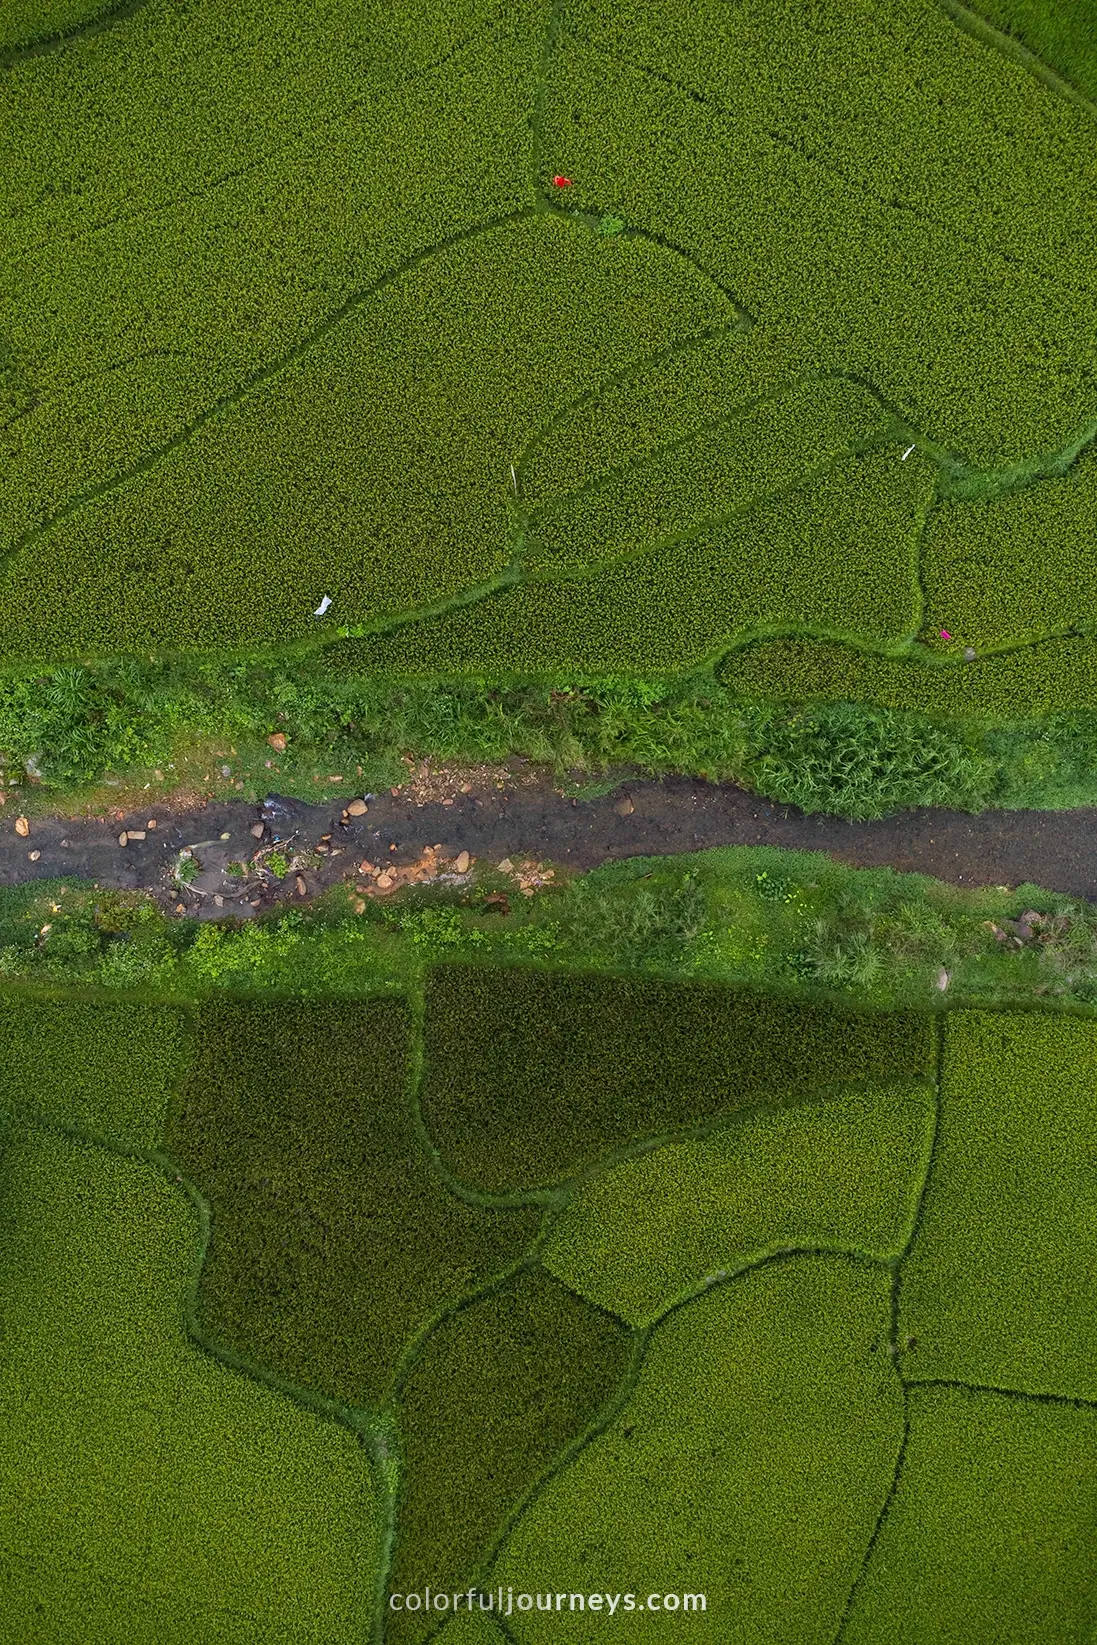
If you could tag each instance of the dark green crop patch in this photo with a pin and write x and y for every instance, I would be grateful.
(333, 1239)
(531, 1075)
(499, 1390)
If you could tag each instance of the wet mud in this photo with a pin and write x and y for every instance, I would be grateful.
(527, 820)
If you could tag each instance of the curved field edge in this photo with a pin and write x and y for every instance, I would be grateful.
(370, 1433)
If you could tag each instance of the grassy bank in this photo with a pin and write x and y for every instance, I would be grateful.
(779, 921)
(66, 734)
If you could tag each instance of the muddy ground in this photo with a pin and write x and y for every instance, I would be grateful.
(517, 814)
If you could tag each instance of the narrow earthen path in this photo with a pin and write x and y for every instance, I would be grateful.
(528, 819)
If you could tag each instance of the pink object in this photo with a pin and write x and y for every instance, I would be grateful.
(945, 635)
(561, 182)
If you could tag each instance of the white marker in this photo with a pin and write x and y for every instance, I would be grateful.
(514, 479)
(323, 606)
(906, 454)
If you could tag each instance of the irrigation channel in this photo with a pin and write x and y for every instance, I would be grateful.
(517, 813)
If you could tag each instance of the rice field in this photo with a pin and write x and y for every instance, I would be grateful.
(715, 385)
(784, 1348)
(620, 340)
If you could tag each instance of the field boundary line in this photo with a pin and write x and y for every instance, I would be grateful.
(262, 375)
(1008, 45)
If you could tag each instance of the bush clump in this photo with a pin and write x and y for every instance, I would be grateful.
(864, 763)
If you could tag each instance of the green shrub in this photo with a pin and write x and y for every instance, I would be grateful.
(845, 1170)
(865, 763)
(498, 1391)
(146, 1493)
(749, 1464)
(989, 1536)
(998, 1289)
(530, 1076)
(334, 1240)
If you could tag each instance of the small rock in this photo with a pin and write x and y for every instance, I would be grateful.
(226, 836)
(179, 909)
(447, 802)
(625, 807)
(461, 866)
(384, 882)
(506, 866)
(359, 906)
(365, 867)
(22, 827)
(277, 741)
(257, 831)
(151, 823)
(218, 900)
(302, 888)
(943, 979)
(123, 838)
(357, 808)
(135, 833)
(34, 855)
(466, 788)
(969, 654)
(226, 771)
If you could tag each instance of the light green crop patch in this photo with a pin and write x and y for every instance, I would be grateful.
(750, 1464)
(845, 172)
(835, 555)
(842, 1172)
(145, 1489)
(990, 1534)
(1018, 569)
(999, 1289)
(107, 1065)
(720, 471)
(26, 21)
(353, 441)
(1014, 685)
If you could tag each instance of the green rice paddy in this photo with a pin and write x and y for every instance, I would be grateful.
(783, 1356)
(798, 351)
(701, 386)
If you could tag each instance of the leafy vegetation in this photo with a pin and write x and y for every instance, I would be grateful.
(989, 1536)
(750, 1463)
(842, 1171)
(500, 1388)
(531, 1076)
(997, 1291)
(333, 1239)
(145, 1490)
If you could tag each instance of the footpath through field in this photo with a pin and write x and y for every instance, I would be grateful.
(532, 821)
